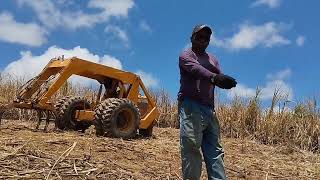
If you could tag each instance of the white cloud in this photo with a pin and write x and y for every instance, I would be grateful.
(300, 40)
(29, 34)
(119, 33)
(144, 26)
(50, 14)
(112, 7)
(251, 36)
(54, 14)
(284, 74)
(268, 91)
(276, 82)
(46, 11)
(242, 91)
(148, 79)
(111, 61)
(29, 65)
(269, 3)
(65, 3)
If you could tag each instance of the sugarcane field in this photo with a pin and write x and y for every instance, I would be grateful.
(252, 151)
(159, 90)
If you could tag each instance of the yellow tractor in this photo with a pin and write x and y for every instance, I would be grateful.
(122, 107)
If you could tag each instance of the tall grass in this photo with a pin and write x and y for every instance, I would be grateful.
(297, 127)
(167, 108)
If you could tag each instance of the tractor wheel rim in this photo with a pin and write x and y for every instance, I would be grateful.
(125, 119)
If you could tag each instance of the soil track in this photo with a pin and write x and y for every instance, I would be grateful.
(29, 154)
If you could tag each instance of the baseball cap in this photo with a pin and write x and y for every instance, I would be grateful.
(199, 27)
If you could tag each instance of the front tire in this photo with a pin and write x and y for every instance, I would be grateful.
(65, 113)
(117, 118)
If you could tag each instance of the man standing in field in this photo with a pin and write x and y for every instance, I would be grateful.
(199, 126)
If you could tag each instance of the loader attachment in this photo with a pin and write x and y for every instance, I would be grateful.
(124, 88)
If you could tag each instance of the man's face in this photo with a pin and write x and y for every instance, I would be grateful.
(201, 40)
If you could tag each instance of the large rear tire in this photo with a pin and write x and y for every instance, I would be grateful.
(65, 110)
(117, 118)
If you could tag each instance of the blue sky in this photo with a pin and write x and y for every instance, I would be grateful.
(266, 43)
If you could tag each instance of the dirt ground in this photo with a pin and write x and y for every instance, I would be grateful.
(29, 154)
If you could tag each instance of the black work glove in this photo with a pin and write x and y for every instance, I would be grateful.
(224, 81)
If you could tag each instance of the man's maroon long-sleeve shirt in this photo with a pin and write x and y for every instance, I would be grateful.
(196, 72)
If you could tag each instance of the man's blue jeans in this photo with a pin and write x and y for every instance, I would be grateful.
(199, 128)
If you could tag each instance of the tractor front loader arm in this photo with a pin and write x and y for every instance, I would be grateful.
(124, 87)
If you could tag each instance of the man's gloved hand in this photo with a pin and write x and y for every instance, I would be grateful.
(224, 81)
